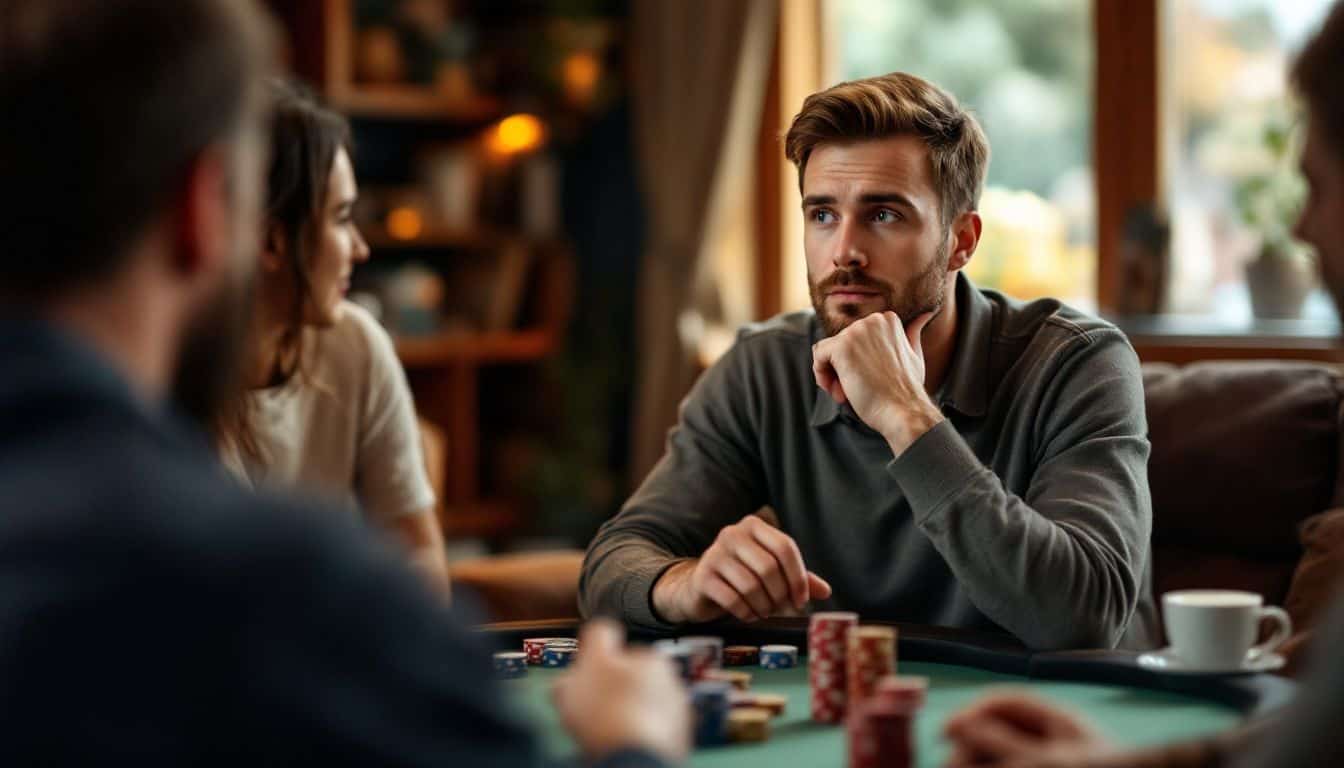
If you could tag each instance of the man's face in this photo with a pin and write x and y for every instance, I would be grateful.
(212, 346)
(872, 231)
(1321, 223)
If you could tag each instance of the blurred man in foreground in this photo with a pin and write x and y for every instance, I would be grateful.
(1025, 732)
(152, 612)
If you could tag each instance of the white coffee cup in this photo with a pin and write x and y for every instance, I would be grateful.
(1215, 629)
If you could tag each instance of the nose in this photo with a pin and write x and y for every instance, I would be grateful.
(849, 252)
(361, 253)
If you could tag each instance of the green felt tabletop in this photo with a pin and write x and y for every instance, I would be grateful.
(1130, 716)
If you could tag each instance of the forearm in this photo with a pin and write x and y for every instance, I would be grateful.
(618, 578)
(1055, 583)
(420, 535)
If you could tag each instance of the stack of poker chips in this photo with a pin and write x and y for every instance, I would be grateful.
(510, 664)
(709, 701)
(533, 646)
(827, 635)
(869, 657)
(706, 654)
(741, 681)
(741, 656)
(748, 724)
(779, 656)
(559, 653)
(773, 703)
(881, 734)
(681, 656)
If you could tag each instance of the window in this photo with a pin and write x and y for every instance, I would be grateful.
(1226, 108)
(1029, 82)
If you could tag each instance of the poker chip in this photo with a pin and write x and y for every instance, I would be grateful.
(779, 656)
(881, 735)
(870, 656)
(773, 703)
(740, 681)
(741, 656)
(681, 656)
(533, 646)
(897, 689)
(558, 654)
(748, 724)
(706, 653)
(510, 664)
(709, 702)
(827, 638)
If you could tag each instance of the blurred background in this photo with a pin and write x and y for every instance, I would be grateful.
(573, 204)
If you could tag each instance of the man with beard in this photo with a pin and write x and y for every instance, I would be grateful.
(934, 453)
(153, 612)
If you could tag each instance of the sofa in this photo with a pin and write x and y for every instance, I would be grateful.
(1243, 454)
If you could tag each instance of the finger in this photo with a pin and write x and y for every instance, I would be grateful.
(745, 582)
(768, 570)
(603, 637)
(914, 332)
(819, 588)
(822, 370)
(722, 594)
(996, 739)
(785, 551)
(1022, 710)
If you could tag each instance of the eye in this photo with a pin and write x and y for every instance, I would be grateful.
(886, 216)
(823, 216)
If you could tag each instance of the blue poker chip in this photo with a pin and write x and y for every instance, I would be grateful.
(557, 655)
(779, 656)
(510, 664)
(711, 703)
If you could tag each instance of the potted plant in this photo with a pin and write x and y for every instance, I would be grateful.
(1282, 272)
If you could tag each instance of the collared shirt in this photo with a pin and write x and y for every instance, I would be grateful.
(153, 612)
(1026, 510)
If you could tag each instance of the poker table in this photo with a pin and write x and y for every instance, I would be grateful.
(1131, 705)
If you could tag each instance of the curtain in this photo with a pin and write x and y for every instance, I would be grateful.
(691, 61)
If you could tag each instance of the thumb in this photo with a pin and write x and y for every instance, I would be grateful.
(915, 331)
(817, 587)
(601, 637)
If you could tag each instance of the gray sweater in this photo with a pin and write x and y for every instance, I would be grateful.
(1026, 510)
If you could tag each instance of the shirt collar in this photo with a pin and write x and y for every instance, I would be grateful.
(966, 386)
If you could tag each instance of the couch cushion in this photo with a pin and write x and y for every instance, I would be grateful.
(1242, 453)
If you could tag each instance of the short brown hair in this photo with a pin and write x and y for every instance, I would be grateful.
(899, 104)
(1315, 74)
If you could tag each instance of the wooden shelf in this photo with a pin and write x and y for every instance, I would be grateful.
(458, 347)
(403, 102)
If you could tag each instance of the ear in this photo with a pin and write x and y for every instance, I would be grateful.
(965, 234)
(204, 217)
(274, 247)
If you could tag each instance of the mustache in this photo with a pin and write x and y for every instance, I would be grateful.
(847, 278)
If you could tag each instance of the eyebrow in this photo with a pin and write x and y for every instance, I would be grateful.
(867, 199)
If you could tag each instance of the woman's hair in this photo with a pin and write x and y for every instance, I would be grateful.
(305, 137)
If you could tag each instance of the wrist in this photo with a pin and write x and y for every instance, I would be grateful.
(915, 419)
(666, 595)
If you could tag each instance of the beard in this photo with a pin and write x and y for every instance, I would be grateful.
(207, 380)
(925, 292)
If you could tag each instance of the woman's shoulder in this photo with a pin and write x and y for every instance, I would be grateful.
(356, 334)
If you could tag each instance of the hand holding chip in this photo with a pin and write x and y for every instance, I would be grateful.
(752, 571)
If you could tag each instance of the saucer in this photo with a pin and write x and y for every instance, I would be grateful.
(1167, 661)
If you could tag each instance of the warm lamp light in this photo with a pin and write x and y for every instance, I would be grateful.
(517, 133)
(581, 73)
(405, 223)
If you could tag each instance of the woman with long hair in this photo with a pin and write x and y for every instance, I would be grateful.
(327, 407)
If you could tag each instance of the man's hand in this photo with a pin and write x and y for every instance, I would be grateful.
(615, 698)
(877, 366)
(1016, 730)
(752, 571)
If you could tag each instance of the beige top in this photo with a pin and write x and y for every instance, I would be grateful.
(345, 428)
